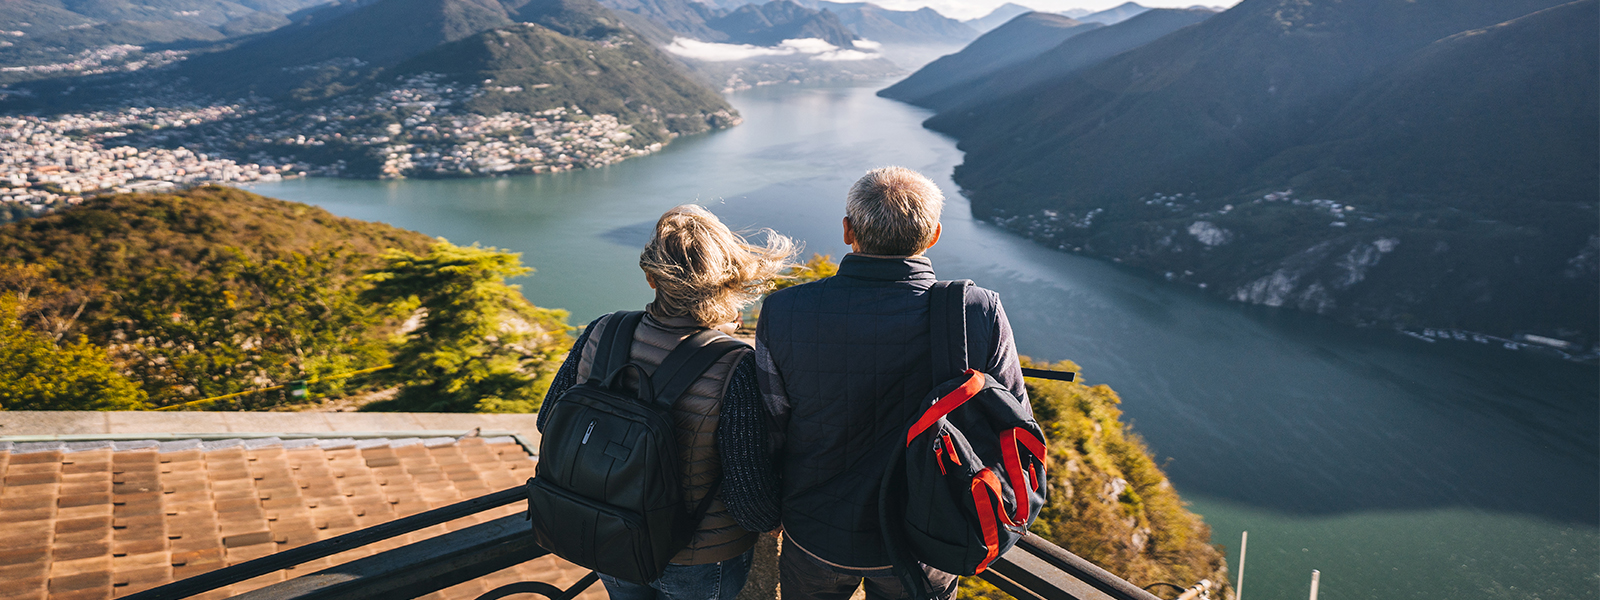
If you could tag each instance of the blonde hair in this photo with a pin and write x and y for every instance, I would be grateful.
(706, 272)
(894, 211)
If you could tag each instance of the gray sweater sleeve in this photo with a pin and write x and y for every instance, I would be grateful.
(750, 485)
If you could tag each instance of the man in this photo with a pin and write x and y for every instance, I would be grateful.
(843, 365)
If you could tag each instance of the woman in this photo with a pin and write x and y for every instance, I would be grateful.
(704, 275)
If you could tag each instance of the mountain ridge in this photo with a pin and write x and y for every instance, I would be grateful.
(1019, 39)
(1069, 56)
(1267, 154)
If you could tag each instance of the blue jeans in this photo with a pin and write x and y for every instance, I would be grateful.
(712, 581)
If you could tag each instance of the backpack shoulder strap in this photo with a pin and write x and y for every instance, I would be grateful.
(947, 319)
(616, 342)
(689, 360)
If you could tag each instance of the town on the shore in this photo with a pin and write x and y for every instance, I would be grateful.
(415, 129)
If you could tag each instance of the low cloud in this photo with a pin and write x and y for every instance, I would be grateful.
(814, 48)
(714, 52)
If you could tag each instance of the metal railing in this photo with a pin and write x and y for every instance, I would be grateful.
(1033, 570)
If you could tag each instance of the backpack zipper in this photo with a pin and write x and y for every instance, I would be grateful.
(588, 431)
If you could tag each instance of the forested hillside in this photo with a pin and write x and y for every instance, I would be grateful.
(1109, 501)
(537, 69)
(143, 301)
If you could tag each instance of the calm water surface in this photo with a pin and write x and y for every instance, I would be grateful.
(1400, 469)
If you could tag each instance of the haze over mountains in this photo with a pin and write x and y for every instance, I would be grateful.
(879, 24)
(1414, 163)
(1018, 65)
(1111, 16)
(1018, 40)
(761, 24)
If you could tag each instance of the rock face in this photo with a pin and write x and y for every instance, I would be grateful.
(1311, 132)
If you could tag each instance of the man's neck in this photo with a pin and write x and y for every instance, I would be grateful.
(892, 256)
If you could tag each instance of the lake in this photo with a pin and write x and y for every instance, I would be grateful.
(1398, 468)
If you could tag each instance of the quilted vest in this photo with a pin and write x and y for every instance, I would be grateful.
(696, 414)
(853, 355)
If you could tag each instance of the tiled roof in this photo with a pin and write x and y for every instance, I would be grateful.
(101, 519)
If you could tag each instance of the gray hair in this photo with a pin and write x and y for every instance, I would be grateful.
(894, 211)
(706, 272)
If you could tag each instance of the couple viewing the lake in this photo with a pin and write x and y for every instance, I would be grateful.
(791, 436)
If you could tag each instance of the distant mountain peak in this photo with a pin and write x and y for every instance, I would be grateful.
(999, 16)
(1115, 14)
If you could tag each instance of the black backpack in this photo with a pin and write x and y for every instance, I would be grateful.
(607, 493)
(968, 477)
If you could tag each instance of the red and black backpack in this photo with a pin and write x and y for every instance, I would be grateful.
(969, 476)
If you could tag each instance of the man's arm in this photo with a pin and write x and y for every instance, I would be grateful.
(1003, 364)
(771, 381)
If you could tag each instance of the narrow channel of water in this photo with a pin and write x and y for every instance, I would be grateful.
(1399, 468)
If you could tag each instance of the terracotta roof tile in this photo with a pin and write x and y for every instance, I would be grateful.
(110, 520)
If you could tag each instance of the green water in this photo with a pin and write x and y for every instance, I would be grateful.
(1403, 469)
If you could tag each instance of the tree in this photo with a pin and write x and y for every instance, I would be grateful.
(46, 304)
(478, 345)
(821, 266)
(239, 324)
(43, 375)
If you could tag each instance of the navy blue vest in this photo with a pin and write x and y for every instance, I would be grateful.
(852, 352)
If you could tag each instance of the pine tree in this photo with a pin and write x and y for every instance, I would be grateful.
(478, 345)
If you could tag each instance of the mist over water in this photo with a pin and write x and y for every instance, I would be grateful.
(1399, 468)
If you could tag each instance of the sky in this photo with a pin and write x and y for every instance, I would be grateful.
(972, 9)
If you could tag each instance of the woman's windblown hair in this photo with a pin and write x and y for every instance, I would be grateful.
(706, 272)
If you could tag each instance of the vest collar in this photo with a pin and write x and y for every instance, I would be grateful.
(886, 268)
(684, 323)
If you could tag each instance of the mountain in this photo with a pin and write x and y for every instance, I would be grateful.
(760, 24)
(65, 38)
(445, 88)
(1077, 52)
(130, 236)
(999, 16)
(1113, 15)
(879, 24)
(1413, 163)
(633, 82)
(1018, 40)
(661, 20)
(318, 58)
(770, 23)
